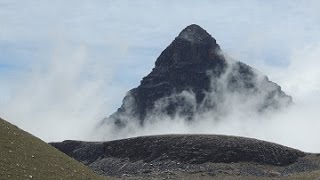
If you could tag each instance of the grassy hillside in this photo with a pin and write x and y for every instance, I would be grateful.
(23, 156)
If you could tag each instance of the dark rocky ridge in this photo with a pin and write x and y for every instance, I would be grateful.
(192, 149)
(185, 153)
(194, 63)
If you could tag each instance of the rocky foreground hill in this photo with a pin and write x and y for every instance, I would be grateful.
(192, 157)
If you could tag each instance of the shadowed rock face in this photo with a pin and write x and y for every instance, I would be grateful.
(194, 63)
(184, 149)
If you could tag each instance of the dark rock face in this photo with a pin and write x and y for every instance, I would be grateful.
(177, 149)
(194, 63)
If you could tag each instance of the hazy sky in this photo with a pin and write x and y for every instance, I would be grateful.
(66, 64)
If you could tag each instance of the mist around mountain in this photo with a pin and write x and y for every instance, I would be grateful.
(194, 84)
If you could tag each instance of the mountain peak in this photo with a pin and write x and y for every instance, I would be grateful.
(194, 33)
(191, 78)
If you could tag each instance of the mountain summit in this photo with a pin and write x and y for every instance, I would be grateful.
(193, 77)
(196, 34)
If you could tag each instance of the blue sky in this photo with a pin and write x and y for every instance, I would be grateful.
(144, 28)
(70, 61)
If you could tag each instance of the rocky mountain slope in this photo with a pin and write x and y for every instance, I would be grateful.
(191, 156)
(23, 156)
(191, 77)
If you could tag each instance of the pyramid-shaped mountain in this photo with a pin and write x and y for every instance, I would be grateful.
(193, 76)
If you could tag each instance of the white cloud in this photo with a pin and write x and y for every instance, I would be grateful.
(63, 97)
